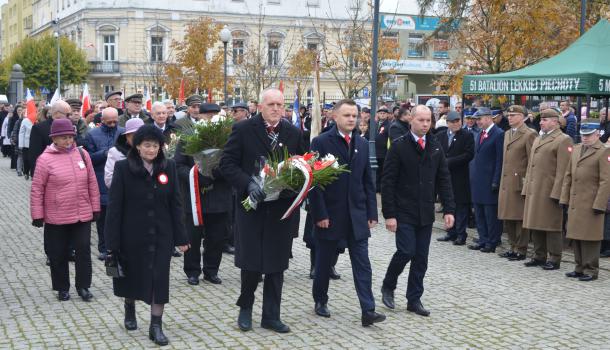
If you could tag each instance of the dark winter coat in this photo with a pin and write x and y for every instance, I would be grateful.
(381, 140)
(263, 243)
(411, 179)
(459, 155)
(98, 142)
(398, 128)
(349, 202)
(39, 140)
(144, 221)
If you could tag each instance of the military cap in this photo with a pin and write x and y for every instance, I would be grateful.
(517, 109)
(194, 99)
(453, 115)
(549, 113)
(481, 112)
(328, 106)
(112, 93)
(74, 102)
(240, 105)
(383, 109)
(209, 108)
(366, 110)
(469, 112)
(496, 112)
(589, 127)
(134, 98)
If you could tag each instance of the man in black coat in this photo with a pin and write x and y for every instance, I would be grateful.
(415, 170)
(458, 145)
(216, 201)
(400, 126)
(381, 142)
(345, 211)
(263, 242)
(39, 136)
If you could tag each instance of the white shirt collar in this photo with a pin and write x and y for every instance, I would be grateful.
(417, 137)
(489, 128)
(343, 135)
(161, 128)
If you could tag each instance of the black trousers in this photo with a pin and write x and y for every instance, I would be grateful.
(57, 239)
(26, 161)
(379, 174)
(213, 235)
(100, 224)
(272, 292)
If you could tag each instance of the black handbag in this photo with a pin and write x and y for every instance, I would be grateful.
(114, 268)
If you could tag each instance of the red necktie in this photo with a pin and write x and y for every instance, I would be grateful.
(421, 143)
(483, 137)
(347, 139)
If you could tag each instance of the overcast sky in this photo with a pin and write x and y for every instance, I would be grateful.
(407, 7)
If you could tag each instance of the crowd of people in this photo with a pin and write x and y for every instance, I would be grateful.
(539, 178)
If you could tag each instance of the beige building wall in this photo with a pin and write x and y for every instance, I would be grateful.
(16, 24)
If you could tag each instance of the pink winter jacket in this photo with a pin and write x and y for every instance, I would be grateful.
(64, 189)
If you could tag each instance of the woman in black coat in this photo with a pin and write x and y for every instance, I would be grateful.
(144, 223)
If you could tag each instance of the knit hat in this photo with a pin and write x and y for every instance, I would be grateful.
(62, 127)
(132, 125)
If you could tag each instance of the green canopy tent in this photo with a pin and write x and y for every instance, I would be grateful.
(582, 69)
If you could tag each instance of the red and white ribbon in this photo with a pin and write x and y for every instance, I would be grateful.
(299, 163)
(195, 196)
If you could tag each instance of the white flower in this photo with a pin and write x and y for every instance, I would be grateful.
(218, 118)
(331, 158)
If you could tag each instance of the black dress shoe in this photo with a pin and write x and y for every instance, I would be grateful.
(587, 278)
(459, 241)
(229, 249)
(550, 266)
(418, 308)
(507, 254)
(446, 238)
(193, 280)
(517, 257)
(387, 297)
(244, 320)
(370, 317)
(475, 246)
(488, 250)
(333, 274)
(176, 253)
(574, 274)
(85, 294)
(212, 279)
(321, 309)
(155, 331)
(275, 325)
(534, 262)
(312, 273)
(130, 322)
(63, 295)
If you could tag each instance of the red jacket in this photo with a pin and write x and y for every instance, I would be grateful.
(64, 188)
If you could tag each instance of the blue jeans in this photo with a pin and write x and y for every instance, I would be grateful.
(412, 245)
(461, 221)
(488, 225)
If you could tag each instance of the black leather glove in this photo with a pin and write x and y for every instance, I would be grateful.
(96, 215)
(205, 181)
(38, 222)
(255, 192)
(495, 188)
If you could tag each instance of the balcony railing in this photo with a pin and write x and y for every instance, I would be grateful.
(105, 67)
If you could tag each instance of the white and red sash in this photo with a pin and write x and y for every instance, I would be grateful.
(195, 196)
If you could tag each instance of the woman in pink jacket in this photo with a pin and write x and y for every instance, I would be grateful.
(65, 198)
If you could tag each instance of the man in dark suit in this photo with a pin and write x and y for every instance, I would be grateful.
(263, 242)
(345, 211)
(485, 172)
(381, 141)
(415, 170)
(458, 145)
(39, 136)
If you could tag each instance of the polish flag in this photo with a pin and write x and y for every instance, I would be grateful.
(86, 100)
(56, 97)
(181, 93)
(30, 104)
(148, 100)
(281, 86)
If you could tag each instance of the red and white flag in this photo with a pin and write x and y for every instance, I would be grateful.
(181, 93)
(86, 100)
(148, 100)
(30, 105)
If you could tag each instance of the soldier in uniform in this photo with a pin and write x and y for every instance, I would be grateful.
(542, 214)
(78, 121)
(133, 109)
(192, 112)
(518, 142)
(586, 188)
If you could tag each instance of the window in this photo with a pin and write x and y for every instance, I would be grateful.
(27, 22)
(416, 45)
(156, 48)
(237, 98)
(309, 95)
(109, 48)
(273, 53)
(238, 51)
(108, 88)
(312, 46)
(441, 48)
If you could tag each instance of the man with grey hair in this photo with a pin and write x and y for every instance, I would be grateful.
(263, 241)
(159, 118)
(39, 136)
(171, 110)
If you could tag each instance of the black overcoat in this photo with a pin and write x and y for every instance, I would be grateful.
(459, 155)
(263, 243)
(143, 223)
(39, 140)
(411, 179)
(349, 202)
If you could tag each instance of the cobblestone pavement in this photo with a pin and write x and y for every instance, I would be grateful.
(477, 301)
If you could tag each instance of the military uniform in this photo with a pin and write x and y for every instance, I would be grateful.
(586, 188)
(123, 118)
(517, 147)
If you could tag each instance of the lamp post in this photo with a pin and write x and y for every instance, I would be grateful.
(372, 123)
(225, 37)
(56, 35)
